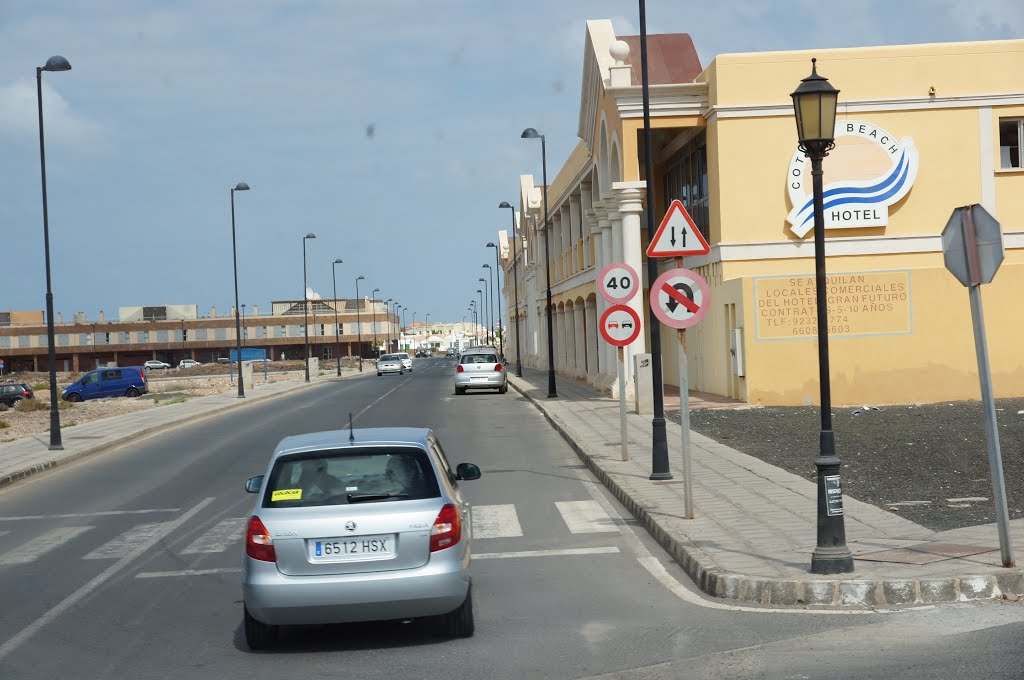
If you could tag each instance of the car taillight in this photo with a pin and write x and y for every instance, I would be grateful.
(498, 367)
(142, 376)
(258, 543)
(447, 529)
(460, 369)
(27, 394)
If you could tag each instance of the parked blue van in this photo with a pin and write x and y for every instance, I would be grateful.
(127, 381)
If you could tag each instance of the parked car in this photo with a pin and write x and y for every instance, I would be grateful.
(188, 363)
(223, 360)
(12, 393)
(153, 364)
(358, 525)
(390, 363)
(480, 369)
(406, 360)
(450, 352)
(127, 381)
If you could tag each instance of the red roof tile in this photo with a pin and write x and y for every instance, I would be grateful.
(671, 58)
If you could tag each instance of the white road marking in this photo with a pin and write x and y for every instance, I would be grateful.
(42, 544)
(585, 517)
(968, 499)
(188, 572)
(495, 521)
(126, 542)
(547, 553)
(217, 539)
(74, 598)
(381, 398)
(76, 515)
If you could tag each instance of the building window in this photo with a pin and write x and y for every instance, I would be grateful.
(686, 179)
(126, 338)
(294, 331)
(161, 336)
(220, 333)
(5, 342)
(24, 341)
(63, 340)
(83, 339)
(1011, 134)
(280, 332)
(200, 334)
(143, 336)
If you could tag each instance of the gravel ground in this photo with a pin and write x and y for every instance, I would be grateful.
(923, 452)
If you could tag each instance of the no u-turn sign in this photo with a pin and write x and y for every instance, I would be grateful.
(680, 298)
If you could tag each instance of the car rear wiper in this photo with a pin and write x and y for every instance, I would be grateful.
(364, 497)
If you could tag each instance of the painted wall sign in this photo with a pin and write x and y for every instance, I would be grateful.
(868, 171)
(859, 303)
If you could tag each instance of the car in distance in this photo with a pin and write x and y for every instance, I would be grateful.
(357, 525)
(390, 363)
(450, 352)
(153, 364)
(127, 381)
(12, 393)
(188, 363)
(406, 361)
(478, 369)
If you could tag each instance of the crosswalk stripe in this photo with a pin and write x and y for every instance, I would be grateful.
(495, 521)
(585, 517)
(126, 542)
(42, 544)
(218, 538)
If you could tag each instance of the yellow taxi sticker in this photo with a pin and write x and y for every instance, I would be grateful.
(286, 495)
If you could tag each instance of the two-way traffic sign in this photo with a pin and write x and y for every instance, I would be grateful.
(677, 236)
(680, 298)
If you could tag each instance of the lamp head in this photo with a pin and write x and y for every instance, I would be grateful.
(814, 103)
(241, 186)
(530, 133)
(309, 235)
(504, 204)
(339, 261)
(360, 278)
(57, 63)
(490, 244)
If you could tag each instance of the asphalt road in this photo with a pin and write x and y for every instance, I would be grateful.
(126, 565)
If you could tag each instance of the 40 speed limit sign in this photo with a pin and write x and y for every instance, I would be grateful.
(618, 283)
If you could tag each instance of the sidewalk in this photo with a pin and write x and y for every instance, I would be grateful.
(755, 525)
(26, 457)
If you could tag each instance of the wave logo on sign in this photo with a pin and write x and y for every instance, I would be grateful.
(868, 171)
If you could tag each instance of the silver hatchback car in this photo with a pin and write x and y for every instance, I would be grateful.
(358, 525)
(480, 368)
(390, 363)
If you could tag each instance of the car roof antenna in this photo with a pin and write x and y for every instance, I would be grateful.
(351, 434)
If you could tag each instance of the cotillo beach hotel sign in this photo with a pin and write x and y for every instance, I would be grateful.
(867, 171)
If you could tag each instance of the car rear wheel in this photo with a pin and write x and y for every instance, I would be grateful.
(459, 623)
(379, 374)
(131, 392)
(503, 389)
(258, 635)
(74, 396)
(460, 390)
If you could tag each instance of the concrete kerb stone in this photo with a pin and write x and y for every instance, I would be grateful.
(36, 468)
(809, 593)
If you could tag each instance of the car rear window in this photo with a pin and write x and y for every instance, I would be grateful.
(340, 477)
(479, 358)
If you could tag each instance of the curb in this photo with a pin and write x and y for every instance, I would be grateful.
(816, 593)
(20, 475)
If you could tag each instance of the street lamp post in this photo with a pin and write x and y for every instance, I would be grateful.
(490, 298)
(56, 63)
(497, 275)
(487, 310)
(359, 322)
(814, 103)
(530, 133)
(398, 331)
(305, 300)
(241, 186)
(483, 311)
(337, 330)
(387, 324)
(244, 334)
(376, 340)
(515, 284)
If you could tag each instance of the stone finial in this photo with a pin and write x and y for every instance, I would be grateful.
(619, 51)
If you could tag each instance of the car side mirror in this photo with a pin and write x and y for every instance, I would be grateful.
(253, 484)
(467, 472)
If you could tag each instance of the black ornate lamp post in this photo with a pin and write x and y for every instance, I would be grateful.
(305, 300)
(241, 186)
(497, 275)
(515, 284)
(337, 328)
(814, 103)
(530, 133)
(52, 64)
(359, 322)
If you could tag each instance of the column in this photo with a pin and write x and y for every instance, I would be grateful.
(576, 230)
(565, 222)
(596, 361)
(630, 203)
(586, 200)
(570, 339)
(590, 313)
(580, 346)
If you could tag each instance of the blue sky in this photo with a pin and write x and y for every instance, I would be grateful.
(169, 105)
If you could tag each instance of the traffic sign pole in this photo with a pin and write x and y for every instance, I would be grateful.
(995, 458)
(684, 416)
(622, 403)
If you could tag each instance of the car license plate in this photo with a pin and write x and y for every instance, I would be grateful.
(481, 379)
(350, 548)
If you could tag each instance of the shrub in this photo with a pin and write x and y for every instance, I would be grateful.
(29, 405)
(3, 407)
(41, 386)
(4, 424)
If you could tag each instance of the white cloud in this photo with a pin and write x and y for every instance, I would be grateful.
(19, 117)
